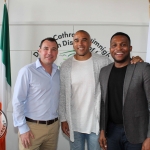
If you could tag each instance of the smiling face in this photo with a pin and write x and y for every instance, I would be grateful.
(81, 44)
(120, 49)
(48, 52)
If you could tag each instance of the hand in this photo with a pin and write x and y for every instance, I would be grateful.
(65, 128)
(25, 139)
(146, 144)
(102, 140)
(136, 59)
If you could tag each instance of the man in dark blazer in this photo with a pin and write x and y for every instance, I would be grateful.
(125, 100)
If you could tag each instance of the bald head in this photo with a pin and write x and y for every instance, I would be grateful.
(84, 32)
(81, 44)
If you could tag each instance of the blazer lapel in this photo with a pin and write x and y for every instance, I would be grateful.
(127, 80)
(106, 79)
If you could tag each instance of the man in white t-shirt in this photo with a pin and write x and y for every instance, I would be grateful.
(79, 107)
(80, 94)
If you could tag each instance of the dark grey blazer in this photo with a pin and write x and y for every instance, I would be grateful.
(136, 101)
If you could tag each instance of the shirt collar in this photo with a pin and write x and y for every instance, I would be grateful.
(38, 64)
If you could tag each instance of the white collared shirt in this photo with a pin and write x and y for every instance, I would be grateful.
(36, 95)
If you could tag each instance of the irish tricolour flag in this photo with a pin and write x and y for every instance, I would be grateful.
(5, 75)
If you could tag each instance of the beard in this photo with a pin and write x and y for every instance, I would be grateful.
(123, 60)
(82, 54)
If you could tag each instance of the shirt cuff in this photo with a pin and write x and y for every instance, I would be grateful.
(62, 118)
(23, 129)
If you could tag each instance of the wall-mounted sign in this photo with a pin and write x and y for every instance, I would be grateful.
(66, 39)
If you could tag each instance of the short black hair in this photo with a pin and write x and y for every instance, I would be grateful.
(124, 34)
(49, 39)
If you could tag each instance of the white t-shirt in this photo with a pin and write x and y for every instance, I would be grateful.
(82, 103)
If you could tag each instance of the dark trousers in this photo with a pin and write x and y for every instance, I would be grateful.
(116, 139)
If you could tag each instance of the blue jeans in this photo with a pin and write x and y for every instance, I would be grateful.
(79, 141)
(116, 139)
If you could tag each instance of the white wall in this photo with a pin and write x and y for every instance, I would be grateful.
(79, 11)
(31, 21)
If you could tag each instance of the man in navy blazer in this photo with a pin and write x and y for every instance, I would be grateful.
(125, 100)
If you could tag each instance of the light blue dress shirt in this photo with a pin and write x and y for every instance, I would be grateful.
(36, 95)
